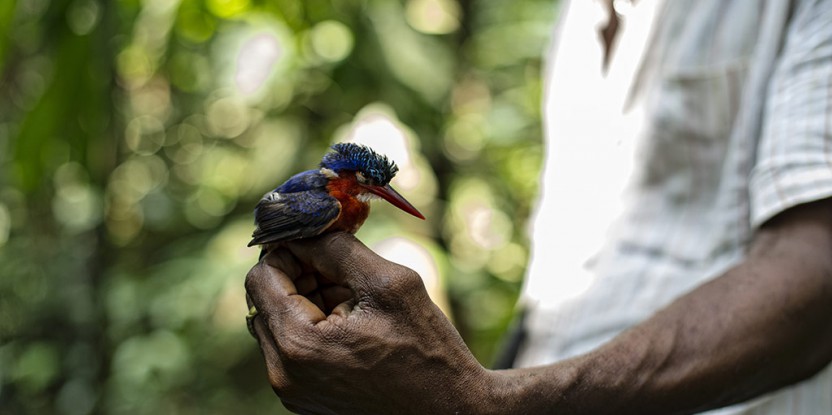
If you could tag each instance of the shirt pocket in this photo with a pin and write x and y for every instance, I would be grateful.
(688, 163)
(692, 114)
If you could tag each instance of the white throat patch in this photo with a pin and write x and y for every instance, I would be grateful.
(367, 196)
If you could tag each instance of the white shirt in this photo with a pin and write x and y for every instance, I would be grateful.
(714, 116)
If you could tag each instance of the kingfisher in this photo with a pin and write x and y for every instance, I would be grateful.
(334, 197)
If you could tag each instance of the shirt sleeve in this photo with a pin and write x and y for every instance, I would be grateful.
(794, 156)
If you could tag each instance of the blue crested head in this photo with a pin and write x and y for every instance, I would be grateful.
(359, 158)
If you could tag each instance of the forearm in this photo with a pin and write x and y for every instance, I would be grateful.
(762, 325)
(386, 349)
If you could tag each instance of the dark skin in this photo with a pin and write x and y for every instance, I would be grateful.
(344, 331)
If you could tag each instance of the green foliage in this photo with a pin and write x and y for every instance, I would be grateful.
(136, 136)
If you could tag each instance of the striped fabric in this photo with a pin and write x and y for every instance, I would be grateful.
(713, 116)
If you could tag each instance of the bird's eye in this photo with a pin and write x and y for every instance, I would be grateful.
(360, 177)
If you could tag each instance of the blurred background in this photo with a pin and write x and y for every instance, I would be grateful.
(136, 137)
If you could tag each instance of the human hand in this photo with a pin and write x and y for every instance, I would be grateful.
(343, 330)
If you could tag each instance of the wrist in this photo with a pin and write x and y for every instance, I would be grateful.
(543, 389)
(522, 391)
(493, 392)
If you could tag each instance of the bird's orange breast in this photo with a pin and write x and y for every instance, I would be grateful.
(353, 211)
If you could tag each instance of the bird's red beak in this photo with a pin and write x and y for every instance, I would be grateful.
(389, 194)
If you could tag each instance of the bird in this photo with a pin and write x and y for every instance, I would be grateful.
(334, 197)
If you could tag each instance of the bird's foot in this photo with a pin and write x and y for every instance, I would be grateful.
(252, 312)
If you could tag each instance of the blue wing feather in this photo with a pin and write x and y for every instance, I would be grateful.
(308, 180)
(301, 214)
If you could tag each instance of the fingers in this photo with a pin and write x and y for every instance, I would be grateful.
(268, 347)
(334, 295)
(308, 282)
(272, 291)
(342, 310)
(283, 260)
(339, 257)
(278, 377)
(347, 262)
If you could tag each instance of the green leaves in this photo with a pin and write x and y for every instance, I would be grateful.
(137, 136)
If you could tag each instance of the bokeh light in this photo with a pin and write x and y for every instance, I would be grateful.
(5, 224)
(377, 127)
(136, 137)
(82, 16)
(416, 256)
(433, 16)
(252, 55)
(255, 61)
(331, 40)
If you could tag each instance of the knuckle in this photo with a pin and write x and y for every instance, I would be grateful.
(406, 281)
(280, 383)
(252, 279)
(249, 282)
(397, 287)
